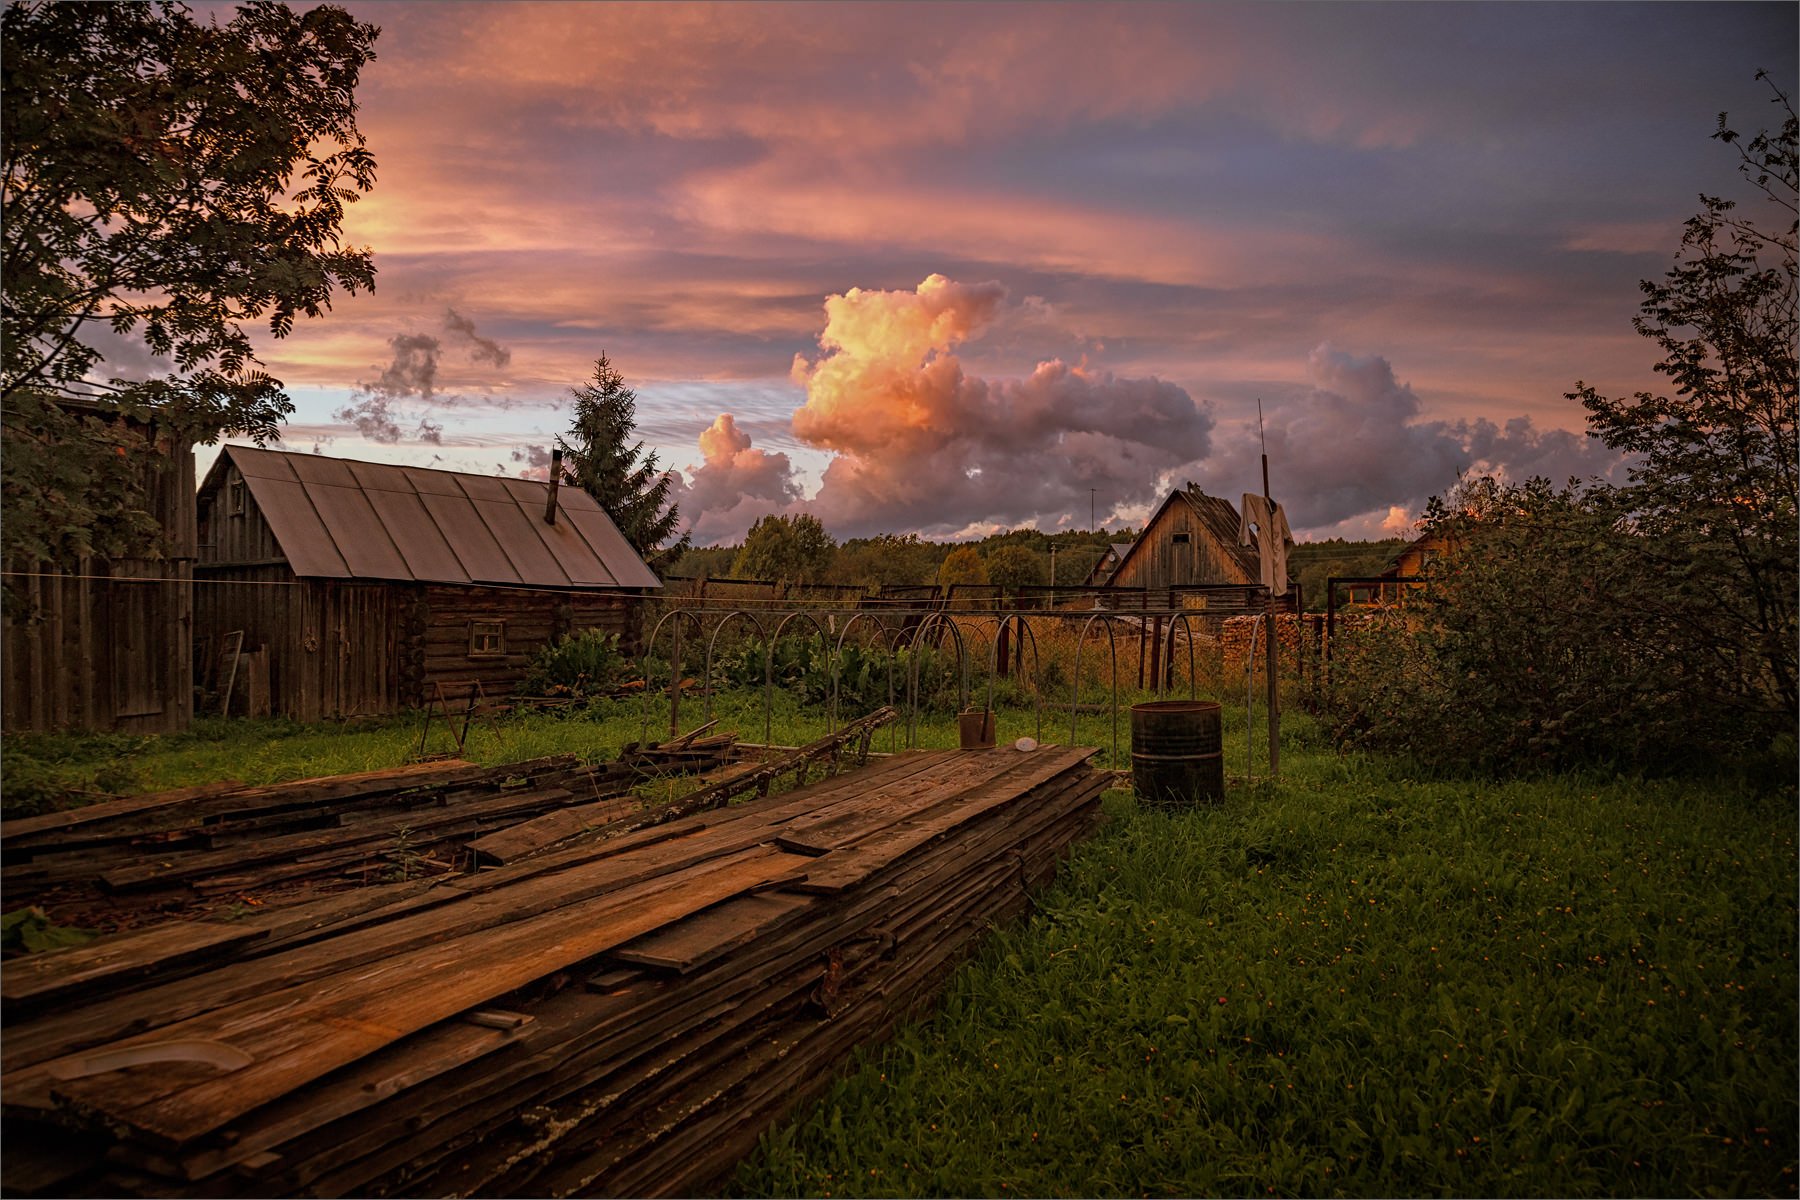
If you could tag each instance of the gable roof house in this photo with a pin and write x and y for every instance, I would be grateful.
(1191, 541)
(358, 587)
(1100, 574)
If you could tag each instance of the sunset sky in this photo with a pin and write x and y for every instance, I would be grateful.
(947, 268)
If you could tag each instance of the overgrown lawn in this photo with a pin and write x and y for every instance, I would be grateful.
(1352, 983)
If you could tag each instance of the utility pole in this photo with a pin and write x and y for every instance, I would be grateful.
(1052, 574)
(1092, 524)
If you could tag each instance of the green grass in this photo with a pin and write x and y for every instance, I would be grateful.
(1355, 981)
(40, 772)
(1352, 983)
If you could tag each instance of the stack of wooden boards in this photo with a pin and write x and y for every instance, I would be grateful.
(619, 1017)
(227, 838)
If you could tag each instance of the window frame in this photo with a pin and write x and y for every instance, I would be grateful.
(487, 638)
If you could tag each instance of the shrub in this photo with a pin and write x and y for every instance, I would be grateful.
(1543, 643)
(581, 665)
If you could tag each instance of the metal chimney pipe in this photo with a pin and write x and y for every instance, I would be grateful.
(555, 479)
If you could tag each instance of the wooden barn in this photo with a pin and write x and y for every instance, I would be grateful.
(359, 587)
(100, 644)
(1101, 573)
(1191, 540)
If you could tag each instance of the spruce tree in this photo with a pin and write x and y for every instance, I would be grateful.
(601, 458)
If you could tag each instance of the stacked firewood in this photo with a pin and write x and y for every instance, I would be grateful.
(623, 1015)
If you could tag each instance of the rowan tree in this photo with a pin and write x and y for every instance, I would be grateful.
(1713, 493)
(168, 184)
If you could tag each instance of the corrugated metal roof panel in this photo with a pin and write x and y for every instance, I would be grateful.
(316, 468)
(416, 535)
(350, 519)
(432, 483)
(261, 464)
(489, 487)
(476, 548)
(297, 529)
(529, 555)
(563, 540)
(612, 548)
(337, 518)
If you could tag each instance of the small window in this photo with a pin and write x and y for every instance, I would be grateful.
(487, 639)
(234, 497)
(1180, 539)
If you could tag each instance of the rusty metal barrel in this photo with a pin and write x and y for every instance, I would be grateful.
(1177, 758)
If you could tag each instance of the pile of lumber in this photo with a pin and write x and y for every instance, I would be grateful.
(226, 839)
(621, 1016)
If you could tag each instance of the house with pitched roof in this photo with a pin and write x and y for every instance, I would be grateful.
(1191, 541)
(360, 587)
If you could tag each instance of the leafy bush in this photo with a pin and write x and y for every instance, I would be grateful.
(580, 665)
(1544, 642)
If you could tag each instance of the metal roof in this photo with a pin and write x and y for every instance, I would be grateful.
(339, 519)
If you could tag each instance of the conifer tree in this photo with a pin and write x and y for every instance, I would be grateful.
(601, 458)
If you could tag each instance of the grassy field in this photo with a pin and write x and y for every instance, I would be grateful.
(1354, 981)
(43, 771)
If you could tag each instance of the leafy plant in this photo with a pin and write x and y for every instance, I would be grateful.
(580, 665)
(28, 931)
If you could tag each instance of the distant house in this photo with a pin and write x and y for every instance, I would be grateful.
(1412, 562)
(1191, 541)
(364, 585)
(102, 644)
(1102, 571)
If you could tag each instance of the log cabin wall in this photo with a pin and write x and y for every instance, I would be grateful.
(104, 645)
(490, 635)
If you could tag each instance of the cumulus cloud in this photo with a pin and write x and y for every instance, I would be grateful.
(918, 443)
(733, 485)
(1351, 455)
(406, 389)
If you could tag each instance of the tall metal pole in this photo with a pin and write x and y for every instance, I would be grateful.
(1269, 632)
(1092, 524)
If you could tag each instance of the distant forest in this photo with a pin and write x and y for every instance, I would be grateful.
(1019, 556)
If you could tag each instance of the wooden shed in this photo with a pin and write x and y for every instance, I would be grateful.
(358, 587)
(101, 644)
(1190, 541)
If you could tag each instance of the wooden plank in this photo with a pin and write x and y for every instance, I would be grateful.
(38, 978)
(851, 864)
(375, 1080)
(22, 830)
(297, 1035)
(162, 871)
(829, 828)
(697, 940)
(540, 833)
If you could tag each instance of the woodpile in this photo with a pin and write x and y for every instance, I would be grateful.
(624, 1015)
(181, 848)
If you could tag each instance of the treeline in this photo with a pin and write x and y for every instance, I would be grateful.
(798, 549)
